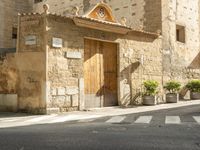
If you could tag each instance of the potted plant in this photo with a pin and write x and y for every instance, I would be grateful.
(172, 87)
(149, 96)
(194, 87)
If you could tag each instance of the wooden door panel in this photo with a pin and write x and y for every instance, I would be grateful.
(100, 73)
(92, 74)
(110, 74)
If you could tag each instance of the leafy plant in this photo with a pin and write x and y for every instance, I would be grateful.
(150, 87)
(194, 86)
(172, 86)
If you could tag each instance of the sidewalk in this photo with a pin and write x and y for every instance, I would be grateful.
(106, 111)
(116, 111)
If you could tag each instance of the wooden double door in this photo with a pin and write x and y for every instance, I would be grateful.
(100, 73)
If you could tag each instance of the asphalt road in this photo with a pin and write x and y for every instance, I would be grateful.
(101, 135)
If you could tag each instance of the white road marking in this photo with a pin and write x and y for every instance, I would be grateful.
(197, 119)
(172, 120)
(41, 118)
(144, 119)
(116, 119)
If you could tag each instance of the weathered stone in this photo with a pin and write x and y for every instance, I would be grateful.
(75, 101)
(73, 55)
(68, 101)
(72, 90)
(141, 55)
(54, 92)
(61, 91)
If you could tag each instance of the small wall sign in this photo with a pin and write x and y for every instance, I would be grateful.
(73, 55)
(57, 42)
(30, 40)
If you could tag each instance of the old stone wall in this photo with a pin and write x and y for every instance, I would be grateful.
(139, 59)
(8, 18)
(180, 58)
(142, 14)
(8, 74)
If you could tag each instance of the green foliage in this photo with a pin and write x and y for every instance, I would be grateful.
(172, 86)
(194, 86)
(150, 87)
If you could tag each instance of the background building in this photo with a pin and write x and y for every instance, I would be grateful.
(8, 18)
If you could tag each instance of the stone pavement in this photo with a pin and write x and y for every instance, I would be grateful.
(115, 114)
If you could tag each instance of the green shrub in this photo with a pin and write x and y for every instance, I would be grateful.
(172, 86)
(194, 86)
(150, 87)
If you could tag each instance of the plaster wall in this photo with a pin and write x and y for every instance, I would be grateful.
(31, 64)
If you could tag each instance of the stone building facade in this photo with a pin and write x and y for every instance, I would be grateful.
(180, 58)
(8, 18)
(61, 63)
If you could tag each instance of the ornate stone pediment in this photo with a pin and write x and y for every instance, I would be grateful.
(101, 12)
(100, 17)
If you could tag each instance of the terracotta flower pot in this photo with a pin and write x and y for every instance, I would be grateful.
(172, 97)
(195, 95)
(149, 100)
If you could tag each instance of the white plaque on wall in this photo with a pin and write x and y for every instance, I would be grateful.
(74, 55)
(57, 42)
(30, 40)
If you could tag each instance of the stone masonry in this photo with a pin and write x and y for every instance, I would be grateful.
(49, 80)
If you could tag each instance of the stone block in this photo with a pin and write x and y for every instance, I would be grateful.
(75, 100)
(61, 91)
(53, 92)
(61, 98)
(73, 55)
(52, 110)
(68, 101)
(72, 90)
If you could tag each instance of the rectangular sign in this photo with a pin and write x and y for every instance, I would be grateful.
(74, 55)
(57, 42)
(30, 40)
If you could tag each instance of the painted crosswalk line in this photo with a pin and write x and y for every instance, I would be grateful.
(197, 119)
(172, 120)
(116, 119)
(144, 119)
